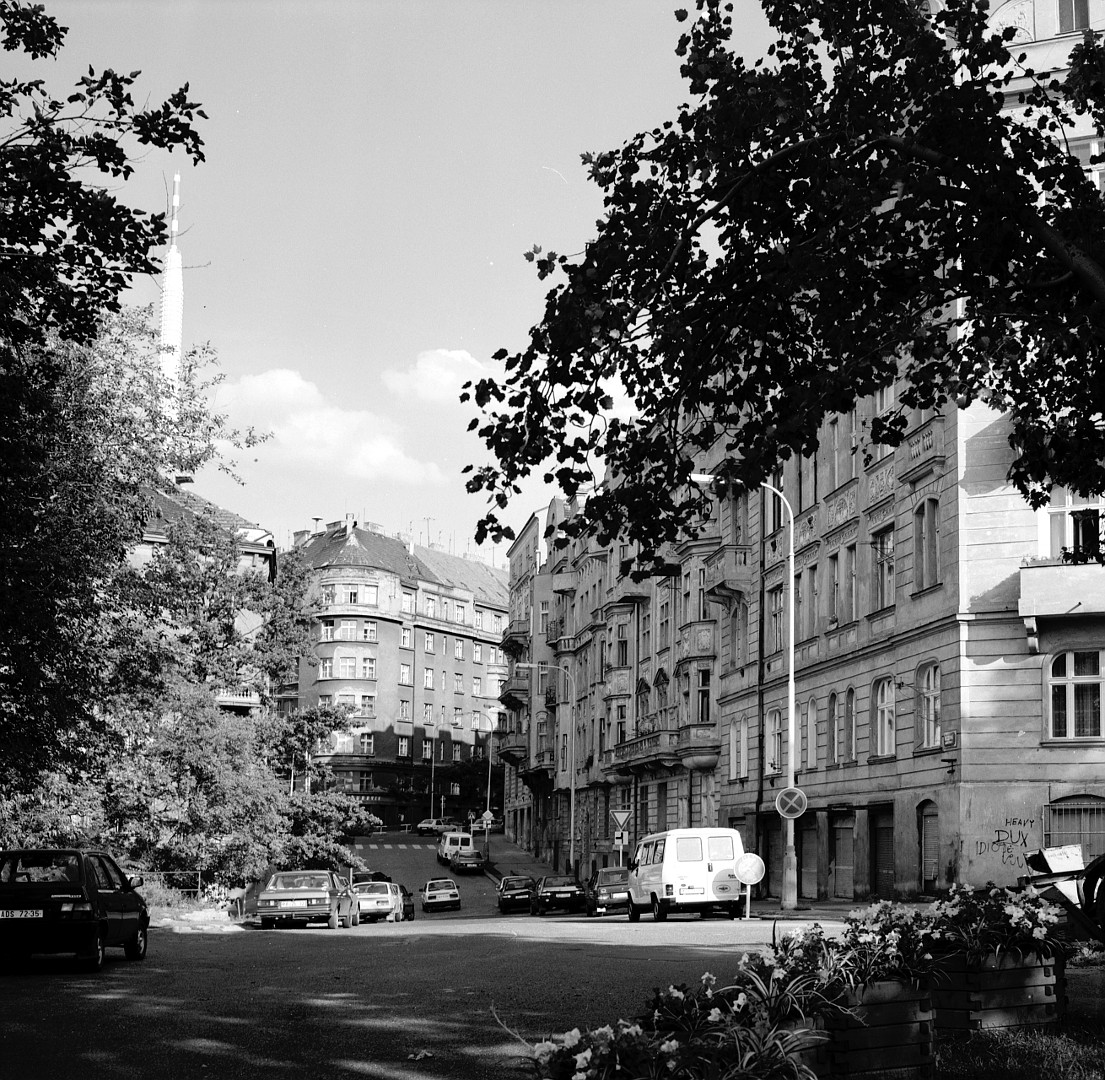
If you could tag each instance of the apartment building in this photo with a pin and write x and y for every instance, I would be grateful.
(409, 640)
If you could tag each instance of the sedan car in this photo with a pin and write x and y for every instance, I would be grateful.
(607, 890)
(434, 826)
(557, 892)
(308, 896)
(379, 900)
(70, 900)
(439, 893)
(515, 893)
(467, 860)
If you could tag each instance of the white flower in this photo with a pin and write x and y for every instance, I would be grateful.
(570, 1038)
(675, 993)
(584, 1059)
(708, 980)
(742, 1000)
(714, 1015)
(669, 1047)
(544, 1050)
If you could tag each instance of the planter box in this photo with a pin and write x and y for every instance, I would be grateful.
(888, 1036)
(999, 991)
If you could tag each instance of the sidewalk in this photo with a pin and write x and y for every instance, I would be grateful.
(508, 859)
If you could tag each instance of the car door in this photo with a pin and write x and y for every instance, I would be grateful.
(118, 902)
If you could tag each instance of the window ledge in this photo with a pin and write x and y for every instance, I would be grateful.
(878, 759)
(1074, 740)
(927, 590)
(883, 611)
(928, 751)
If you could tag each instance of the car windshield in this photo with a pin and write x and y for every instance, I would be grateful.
(373, 888)
(32, 867)
(559, 882)
(516, 882)
(299, 881)
(613, 876)
(440, 886)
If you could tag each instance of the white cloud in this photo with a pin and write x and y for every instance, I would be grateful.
(437, 375)
(308, 432)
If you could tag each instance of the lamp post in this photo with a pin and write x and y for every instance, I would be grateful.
(572, 758)
(789, 899)
(494, 723)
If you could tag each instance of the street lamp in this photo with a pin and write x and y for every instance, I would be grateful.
(571, 755)
(493, 721)
(790, 858)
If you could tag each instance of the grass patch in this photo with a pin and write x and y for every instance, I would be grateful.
(1076, 1053)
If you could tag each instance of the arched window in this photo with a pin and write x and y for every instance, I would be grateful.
(928, 693)
(832, 736)
(929, 825)
(739, 633)
(926, 537)
(735, 756)
(1075, 695)
(774, 762)
(848, 728)
(810, 718)
(883, 718)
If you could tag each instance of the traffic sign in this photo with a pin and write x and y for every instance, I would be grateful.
(791, 802)
(487, 817)
(621, 818)
(750, 868)
(621, 838)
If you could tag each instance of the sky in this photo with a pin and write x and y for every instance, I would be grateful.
(353, 244)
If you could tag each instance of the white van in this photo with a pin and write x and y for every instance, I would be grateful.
(686, 870)
(452, 842)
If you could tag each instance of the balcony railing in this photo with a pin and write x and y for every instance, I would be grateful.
(627, 591)
(1055, 589)
(645, 751)
(730, 571)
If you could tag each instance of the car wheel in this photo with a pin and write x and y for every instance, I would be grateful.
(94, 961)
(135, 949)
(332, 922)
(267, 924)
(634, 912)
(356, 917)
(659, 913)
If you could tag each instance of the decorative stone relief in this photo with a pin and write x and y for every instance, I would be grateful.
(843, 536)
(805, 529)
(881, 484)
(841, 509)
(878, 514)
(1017, 14)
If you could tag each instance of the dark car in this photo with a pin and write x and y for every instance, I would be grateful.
(408, 902)
(467, 860)
(294, 896)
(70, 900)
(557, 893)
(516, 893)
(607, 890)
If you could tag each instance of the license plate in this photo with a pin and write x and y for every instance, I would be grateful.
(288, 903)
(619, 896)
(20, 913)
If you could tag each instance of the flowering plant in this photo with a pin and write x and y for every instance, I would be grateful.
(751, 1028)
(994, 920)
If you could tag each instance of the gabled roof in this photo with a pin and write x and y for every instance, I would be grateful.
(173, 505)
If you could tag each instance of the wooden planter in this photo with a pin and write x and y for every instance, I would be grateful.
(888, 1036)
(1010, 989)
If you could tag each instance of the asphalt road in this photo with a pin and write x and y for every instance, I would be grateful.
(456, 995)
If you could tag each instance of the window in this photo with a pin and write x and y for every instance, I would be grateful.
(326, 630)
(458, 716)
(807, 481)
(663, 629)
(775, 741)
(404, 746)
(368, 744)
(405, 638)
(364, 781)
(428, 678)
(832, 736)
(347, 667)
(427, 749)
(458, 649)
(431, 607)
(477, 686)
(621, 646)
(809, 716)
(563, 751)
(326, 594)
(928, 687)
(454, 788)
(703, 695)
(456, 751)
(350, 594)
(848, 728)
(406, 602)
(926, 571)
(368, 704)
(882, 570)
(404, 709)
(372, 595)
(1073, 15)
(458, 683)
(324, 701)
(744, 747)
(368, 667)
(884, 718)
(428, 642)
(834, 453)
(703, 602)
(1074, 524)
(445, 609)
(370, 630)
(739, 634)
(326, 668)
(849, 581)
(1075, 695)
(884, 406)
(646, 633)
(774, 503)
(479, 619)
(775, 619)
(405, 674)
(496, 624)
(461, 614)
(543, 617)
(428, 714)
(809, 627)
(621, 713)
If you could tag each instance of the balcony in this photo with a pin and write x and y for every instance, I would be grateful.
(729, 571)
(1056, 590)
(627, 591)
(517, 635)
(513, 748)
(515, 692)
(923, 451)
(651, 750)
(565, 581)
(699, 747)
(238, 700)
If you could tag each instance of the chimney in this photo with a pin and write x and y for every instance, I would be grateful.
(350, 524)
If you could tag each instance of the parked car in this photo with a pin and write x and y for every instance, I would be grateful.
(70, 900)
(515, 893)
(607, 890)
(439, 893)
(379, 900)
(450, 843)
(370, 875)
(686, 870)
(308, 896)
(557, 892)
(467, 860)
(408, 902)
(433, 826)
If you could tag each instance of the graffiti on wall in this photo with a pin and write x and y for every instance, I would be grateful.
(1009, 841)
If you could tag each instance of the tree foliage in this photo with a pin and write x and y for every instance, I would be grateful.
(887, 192)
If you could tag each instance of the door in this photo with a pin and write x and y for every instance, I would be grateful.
(842, 857)
(882, 854)
(807, 861)
(930, 847)
(119, 903)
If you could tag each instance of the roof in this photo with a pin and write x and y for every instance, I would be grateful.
(173, 505)
(337, 547)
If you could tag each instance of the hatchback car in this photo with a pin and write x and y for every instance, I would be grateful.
(379, 900)
(558, 892)
(439, 893)
(467, 860)
(515, 893)
(607, 890)
(433, 826)
(308, 896)
(69, 900)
